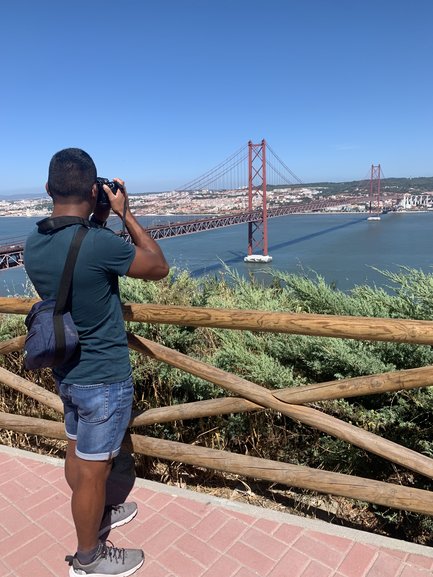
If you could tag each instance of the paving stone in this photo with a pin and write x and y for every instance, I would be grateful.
(293, 563)
(410, 571)
(180, 564)
(385, 566)
(316, 569)
(358, 560)
(268, 545)
(251, 558)
(315, 549)
(419, 560)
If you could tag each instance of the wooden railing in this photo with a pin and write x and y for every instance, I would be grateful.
(248, 396)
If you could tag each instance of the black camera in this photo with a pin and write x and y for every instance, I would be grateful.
(102, 195)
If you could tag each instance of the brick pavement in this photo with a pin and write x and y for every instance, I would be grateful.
(185, 534)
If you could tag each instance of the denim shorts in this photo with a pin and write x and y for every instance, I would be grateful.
(97, 416)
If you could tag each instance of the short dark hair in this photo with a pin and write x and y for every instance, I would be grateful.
(72, 172)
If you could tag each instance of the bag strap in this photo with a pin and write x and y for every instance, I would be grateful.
(54, 223)
(64, 291)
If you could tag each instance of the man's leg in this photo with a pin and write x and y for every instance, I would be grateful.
(107, 409)
(87, 479)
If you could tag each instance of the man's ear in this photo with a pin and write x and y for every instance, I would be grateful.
(47, 189)
(94, 191)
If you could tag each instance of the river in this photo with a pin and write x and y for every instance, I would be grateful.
(343, 248)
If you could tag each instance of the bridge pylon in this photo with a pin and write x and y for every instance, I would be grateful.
(257, 229)
(375, 188)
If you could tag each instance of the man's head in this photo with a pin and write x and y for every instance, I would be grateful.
(72, 173)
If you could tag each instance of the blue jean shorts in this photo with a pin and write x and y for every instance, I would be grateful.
(97, 416)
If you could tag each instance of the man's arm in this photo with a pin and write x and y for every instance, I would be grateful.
(149, 262)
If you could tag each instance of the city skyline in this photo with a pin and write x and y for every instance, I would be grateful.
(159, 93)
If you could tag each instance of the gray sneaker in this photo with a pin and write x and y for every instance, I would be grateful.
(116, 516)
(110, 562)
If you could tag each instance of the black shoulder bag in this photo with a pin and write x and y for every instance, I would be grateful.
(52, 337)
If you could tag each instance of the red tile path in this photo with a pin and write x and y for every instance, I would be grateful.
(185, 534)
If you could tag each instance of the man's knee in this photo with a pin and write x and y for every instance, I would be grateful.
(92, 470)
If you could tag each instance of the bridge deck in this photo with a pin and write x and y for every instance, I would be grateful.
(186, 534)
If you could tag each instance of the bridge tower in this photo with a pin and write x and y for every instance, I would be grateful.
(257, 229)
(375, 188)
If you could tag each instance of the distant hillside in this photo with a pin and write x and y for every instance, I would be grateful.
(387, 185)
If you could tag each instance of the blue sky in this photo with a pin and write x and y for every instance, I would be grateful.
(159, 91)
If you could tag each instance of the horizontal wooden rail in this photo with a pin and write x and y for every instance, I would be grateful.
(32, 426)
(378, 492)
(12, 345)
(307, 415)
(16, 305)
(386, 494)
(348, 327)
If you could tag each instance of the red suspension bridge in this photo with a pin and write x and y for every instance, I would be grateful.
(246, 177)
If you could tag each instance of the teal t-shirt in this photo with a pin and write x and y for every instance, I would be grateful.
(95, 304)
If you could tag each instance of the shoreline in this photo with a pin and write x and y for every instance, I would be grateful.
(198, 214)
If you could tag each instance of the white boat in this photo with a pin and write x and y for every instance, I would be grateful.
(373, 218)
(257, 258)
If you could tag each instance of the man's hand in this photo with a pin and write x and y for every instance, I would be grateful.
(149, 262)
(118, 200)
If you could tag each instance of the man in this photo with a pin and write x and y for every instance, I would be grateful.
(95, 386)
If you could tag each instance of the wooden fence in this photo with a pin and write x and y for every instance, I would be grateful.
(247, 396)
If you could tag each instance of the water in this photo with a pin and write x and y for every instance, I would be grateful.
(342, 248)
